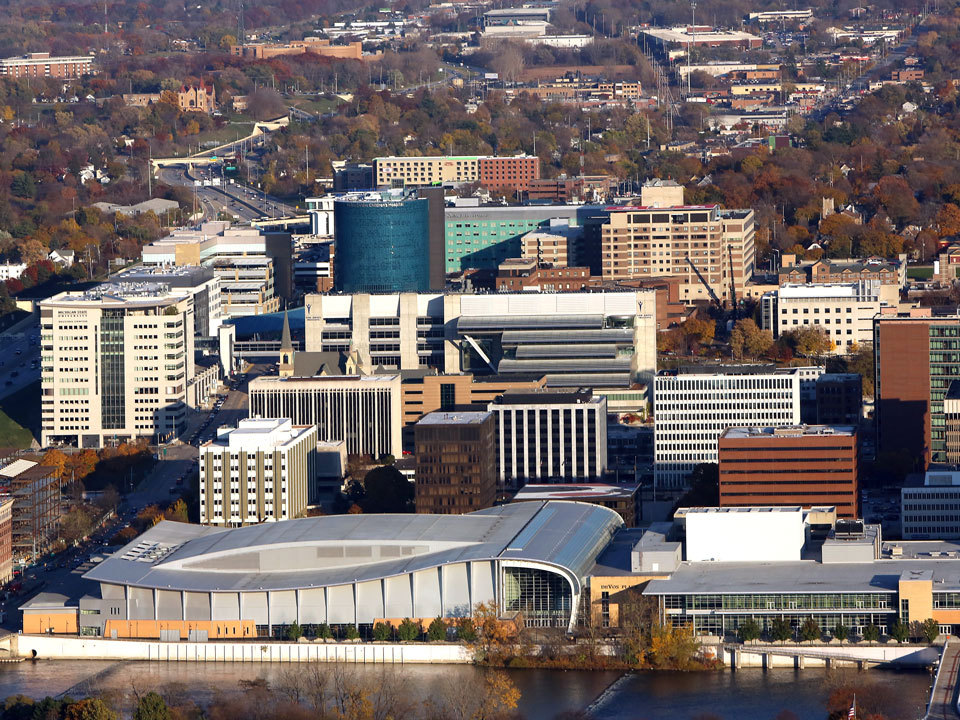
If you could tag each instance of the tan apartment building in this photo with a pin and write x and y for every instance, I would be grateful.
(41, 64)
(260, 471)
(710, 250)
(492, 172)
(553, 245)
(116, 362)
(316, 46)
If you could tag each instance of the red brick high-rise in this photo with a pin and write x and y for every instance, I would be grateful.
(803, 465)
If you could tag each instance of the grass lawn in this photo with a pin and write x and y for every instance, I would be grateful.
(20, 417)
(920, 272)
(323, 105)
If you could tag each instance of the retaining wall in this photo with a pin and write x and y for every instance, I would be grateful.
(52, 647)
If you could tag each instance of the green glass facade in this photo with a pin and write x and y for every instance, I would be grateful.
(723, 614)
(944, 368)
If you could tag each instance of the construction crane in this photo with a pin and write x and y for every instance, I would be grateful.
(703, 281)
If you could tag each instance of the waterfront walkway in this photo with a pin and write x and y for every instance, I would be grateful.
(943, 699)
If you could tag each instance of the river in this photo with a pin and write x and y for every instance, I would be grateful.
(749, 694)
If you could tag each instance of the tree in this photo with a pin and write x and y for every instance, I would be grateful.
(381, 632)
(387, 491)
(698, 331)
(323, 632)
(781, 630)
(56, 459)
(294, 632)
(810, 630)
(75, 525)
(748, 340)
(408, 630)
(749, 630)
(841, 632)
(151, 707)
(23, 185)
(871, 633)
(808, 340)
(265, 104)
(466, 632)
(352, 633)
(900, 632)
(929, 630)
(226, 41)
(948, 220)
(437, 630)
(90, 709)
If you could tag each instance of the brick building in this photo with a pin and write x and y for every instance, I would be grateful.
(43, 65)
(456, 462)
(805, 465)
(519, 274)
(6, 539)
(917, 355)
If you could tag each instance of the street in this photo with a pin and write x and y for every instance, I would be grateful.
(20, 359)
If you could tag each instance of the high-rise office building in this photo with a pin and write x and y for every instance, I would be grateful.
(362, 411)
(382, 242)
(456, 462)
(260, 471)
(551, 435)
(806, 465)
(116, 363)
(588, 339)
(255, 268)
(201, 282)
(917, 356)
(711, 249)
(695, 405)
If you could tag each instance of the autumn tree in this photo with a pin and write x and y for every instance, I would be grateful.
(698, 332)
(748, 340)
(948, 220)
(808, 340)
(90, 709)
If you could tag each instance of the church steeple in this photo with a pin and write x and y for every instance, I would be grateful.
(286, 349)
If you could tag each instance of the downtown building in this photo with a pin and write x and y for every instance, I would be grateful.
(362, 411)
(694, 406)
(456, 454)
(805, 465)
(260, 471)
(709, 249)
(255, 268)
(917, 355)
(116, 364)
(844, 311)
(587, 339)
(545, 435)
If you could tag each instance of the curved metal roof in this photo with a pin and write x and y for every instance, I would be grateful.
(342, 549)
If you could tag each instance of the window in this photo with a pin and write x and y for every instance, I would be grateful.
(448, 396)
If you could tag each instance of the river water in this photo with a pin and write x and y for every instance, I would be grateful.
(749, 694)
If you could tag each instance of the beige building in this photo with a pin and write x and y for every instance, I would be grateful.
(845, 311)
(709, 249)
(313, 45)
(591, 339)
(41, 64)
(117, 360)
(554, 245)
(260, 471)
(254, 269)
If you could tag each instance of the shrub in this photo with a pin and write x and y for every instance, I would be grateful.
(437, 630)
(352, 633)
(294, 632)
(323, 631)
(381, 632)
(408, 630)
(466, 630)
(871, 633)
